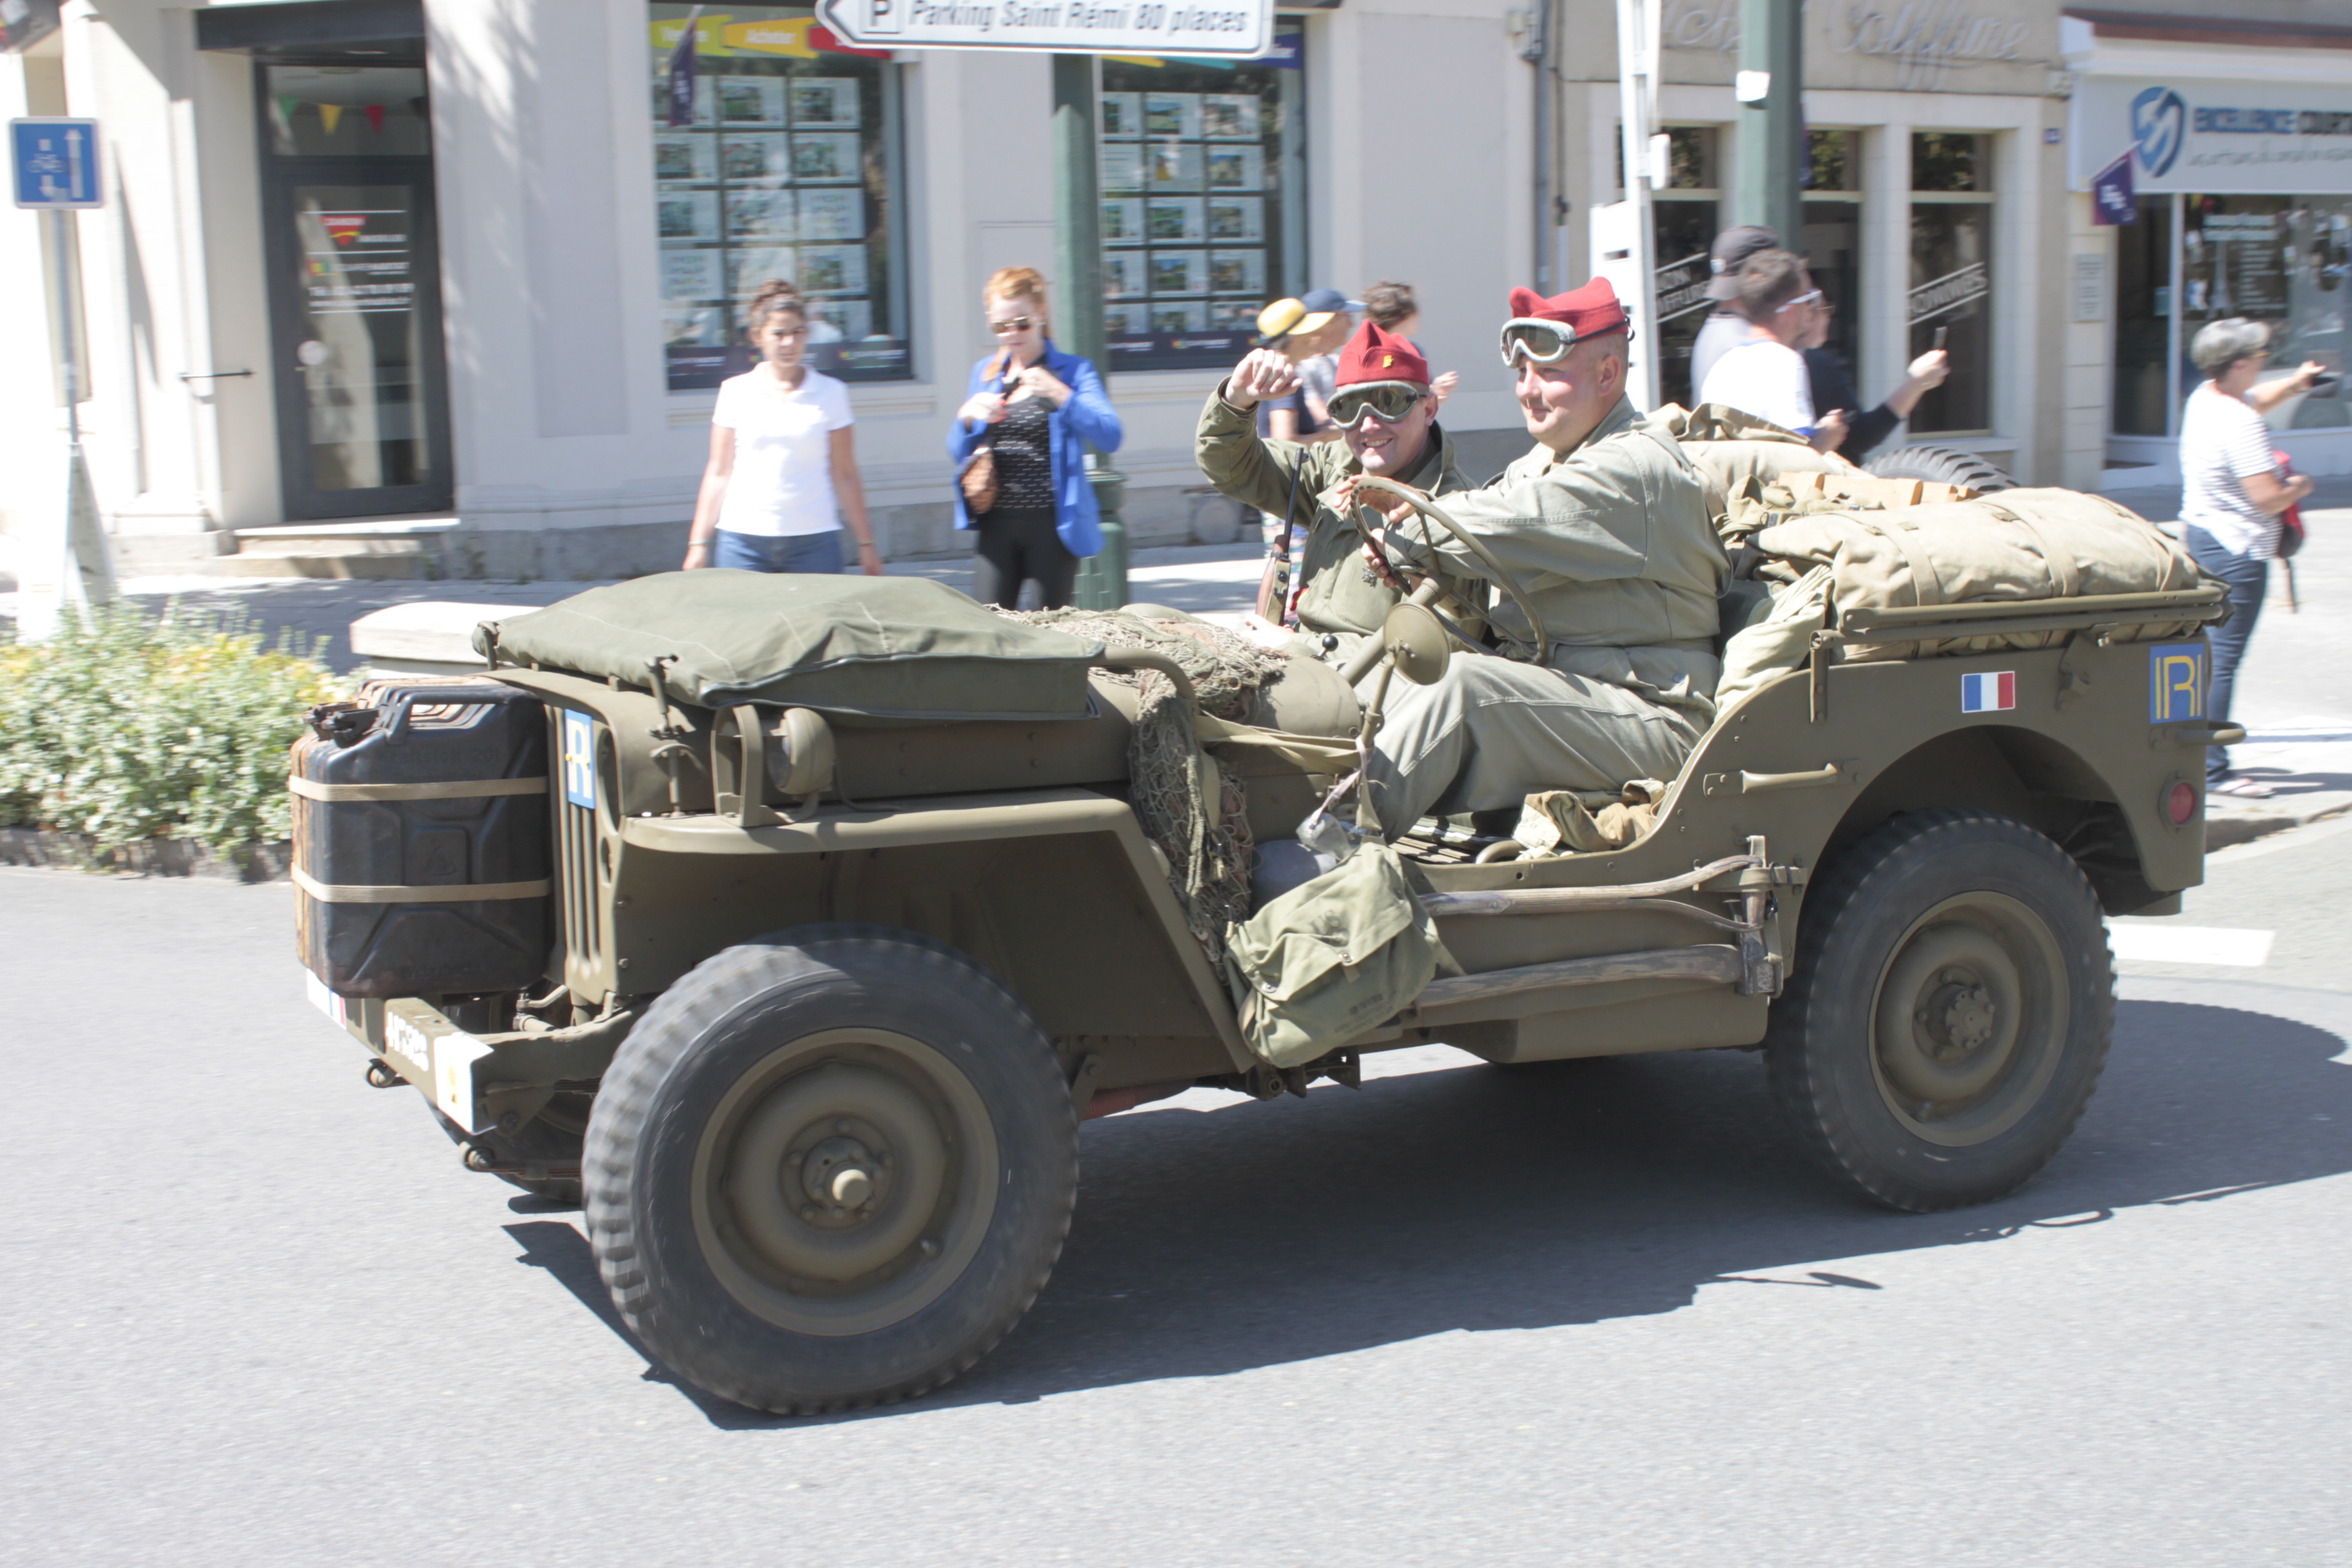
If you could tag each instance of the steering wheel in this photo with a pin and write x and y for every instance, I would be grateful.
(1502, 578)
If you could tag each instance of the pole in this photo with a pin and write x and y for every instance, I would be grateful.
(67, 566)
(1770, 159)
(1077, 226)
(1538, 53)
(1637, 118)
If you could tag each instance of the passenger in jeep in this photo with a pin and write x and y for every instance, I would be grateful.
(1604, 523)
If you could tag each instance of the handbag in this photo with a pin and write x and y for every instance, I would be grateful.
(978, 480)
(2291, 530)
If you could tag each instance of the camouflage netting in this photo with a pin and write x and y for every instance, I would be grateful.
(1172, 779)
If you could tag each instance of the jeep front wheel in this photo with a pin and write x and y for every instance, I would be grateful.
(830, 1170)
(1950, 1010)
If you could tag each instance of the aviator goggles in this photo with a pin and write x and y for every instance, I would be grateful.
(1533, 340)
(1387, 401)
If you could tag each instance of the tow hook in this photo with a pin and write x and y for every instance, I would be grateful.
(478, 1158)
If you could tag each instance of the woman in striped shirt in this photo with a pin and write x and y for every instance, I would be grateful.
(2231, 492)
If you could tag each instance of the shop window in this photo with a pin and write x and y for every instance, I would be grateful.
(1684, 220)
(2285, 262)
(2280, 261)
(1832, 237)
(1203, 202)
(792, 166)
(1951, 276)
(2143, 319)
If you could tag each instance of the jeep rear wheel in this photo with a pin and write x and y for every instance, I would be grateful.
(1949, 1011)
(830, 1170)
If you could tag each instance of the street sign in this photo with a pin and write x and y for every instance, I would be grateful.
(1235, 30)
(55, 163)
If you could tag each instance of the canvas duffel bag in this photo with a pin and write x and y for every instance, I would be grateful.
(2020, 544)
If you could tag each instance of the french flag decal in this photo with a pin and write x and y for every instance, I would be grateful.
(1989, 693)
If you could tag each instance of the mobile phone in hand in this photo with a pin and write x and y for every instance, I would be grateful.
(2327, 383)
(1941, 332)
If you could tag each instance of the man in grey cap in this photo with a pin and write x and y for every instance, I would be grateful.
(1725, 328)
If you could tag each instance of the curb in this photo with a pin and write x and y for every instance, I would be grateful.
(41, 847)
(2238, 828)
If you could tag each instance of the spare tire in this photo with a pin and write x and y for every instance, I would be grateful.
(1941, 464)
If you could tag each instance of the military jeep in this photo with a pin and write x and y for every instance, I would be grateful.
(813, 1009)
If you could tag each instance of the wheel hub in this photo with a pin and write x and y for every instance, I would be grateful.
(842, 1183)
(1970, 1018)
(1960, 1018)
(1948, 1018)
(841, 1178)
(836, 1174)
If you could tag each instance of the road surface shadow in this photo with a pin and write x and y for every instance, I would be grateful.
(1489, 1198)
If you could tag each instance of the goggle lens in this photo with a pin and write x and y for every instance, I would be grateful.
(1542, 341)
(1350, 404)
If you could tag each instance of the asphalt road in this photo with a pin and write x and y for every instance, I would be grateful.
(1593, 1313)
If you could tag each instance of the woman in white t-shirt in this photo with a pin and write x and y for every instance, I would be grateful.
(782, 474)
(2231, 492)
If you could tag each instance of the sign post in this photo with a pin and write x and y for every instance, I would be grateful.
(1074, 32)
(54, 169)
(1769, 157)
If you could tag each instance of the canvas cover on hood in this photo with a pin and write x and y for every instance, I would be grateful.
(882, 648)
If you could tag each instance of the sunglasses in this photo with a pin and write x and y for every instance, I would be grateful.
(1529, 339)
(1811, 297)
(1386, 401)
(1012, 324)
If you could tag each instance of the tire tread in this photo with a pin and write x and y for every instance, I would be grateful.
(1799, 1077)
(686, 1014)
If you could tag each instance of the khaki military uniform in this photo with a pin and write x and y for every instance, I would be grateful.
(1342, 600)
(1613, 545)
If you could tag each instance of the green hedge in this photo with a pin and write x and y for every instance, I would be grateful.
(131, 726)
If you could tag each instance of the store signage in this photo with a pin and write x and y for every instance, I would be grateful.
(1927, 39)
(1240, 29)
(2216, 138)
(1951, 294)
(1682, 286)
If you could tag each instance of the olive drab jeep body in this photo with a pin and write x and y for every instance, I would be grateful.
(823, 1001)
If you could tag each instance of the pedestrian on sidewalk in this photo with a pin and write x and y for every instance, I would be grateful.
(2231, 492)
(782, 474)
(1033, 409)
(1765, 376)
(1725, 328)
(1833, 387)
(1391, 305)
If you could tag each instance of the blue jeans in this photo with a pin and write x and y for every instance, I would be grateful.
(2246, 579)
(779, 552)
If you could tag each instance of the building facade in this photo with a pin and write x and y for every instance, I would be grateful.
(444, 272)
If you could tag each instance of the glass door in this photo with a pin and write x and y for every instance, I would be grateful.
(354, 291)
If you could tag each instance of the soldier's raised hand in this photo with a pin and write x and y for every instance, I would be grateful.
(1262, 372)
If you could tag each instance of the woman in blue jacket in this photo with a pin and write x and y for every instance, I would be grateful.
(1036, 408)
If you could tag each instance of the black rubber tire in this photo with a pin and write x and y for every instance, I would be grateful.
(1835, 1065)
(1940, 465)
(661, 1108)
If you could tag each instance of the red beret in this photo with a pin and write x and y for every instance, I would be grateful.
(1375, 355)
(1592, 310)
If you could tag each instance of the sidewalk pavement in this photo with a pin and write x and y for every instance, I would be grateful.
(2294, 691)
(1196, 578)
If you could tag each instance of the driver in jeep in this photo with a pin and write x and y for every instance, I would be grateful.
(1383, 405)
(1604, 525)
